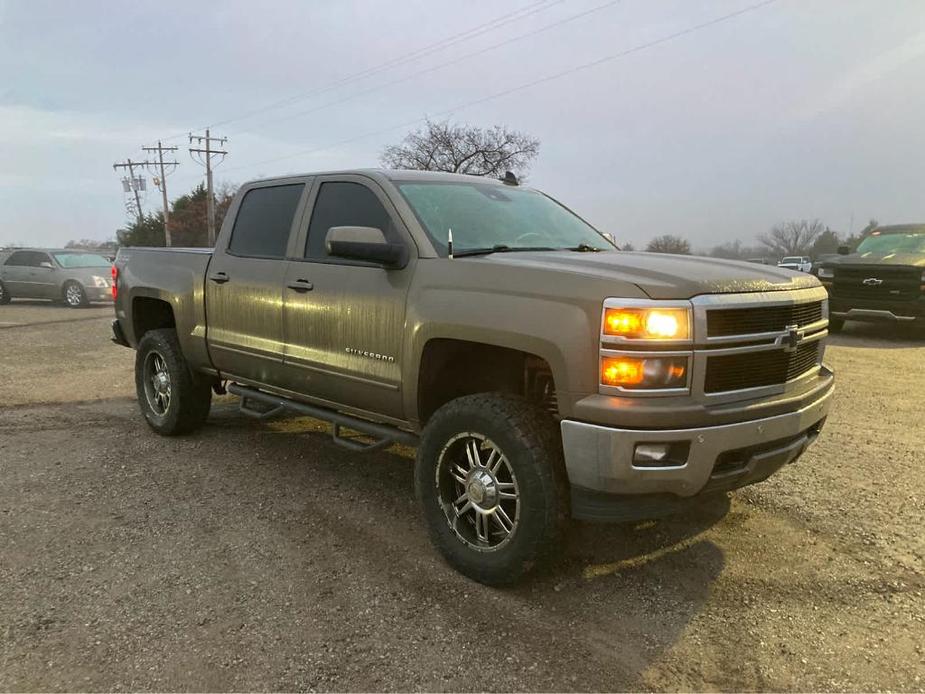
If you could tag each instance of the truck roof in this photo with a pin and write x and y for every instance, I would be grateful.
(390, 174)
(901, 229)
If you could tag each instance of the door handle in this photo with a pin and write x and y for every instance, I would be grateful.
(301, 285)
(219, 277)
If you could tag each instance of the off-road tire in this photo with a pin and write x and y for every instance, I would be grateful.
(836, 325)
(5, 297)
(190, 394)
(529, 438)
(78, 291)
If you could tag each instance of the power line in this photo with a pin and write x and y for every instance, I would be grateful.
(161, 181)
(541, 80)
(434, 68)
(491, 25)
(205, 158)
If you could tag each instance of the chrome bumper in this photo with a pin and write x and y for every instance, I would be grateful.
(600, 458)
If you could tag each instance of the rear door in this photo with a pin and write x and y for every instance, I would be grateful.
(244, 282)
(344, 320)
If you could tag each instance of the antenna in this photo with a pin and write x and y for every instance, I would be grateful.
(449, 243)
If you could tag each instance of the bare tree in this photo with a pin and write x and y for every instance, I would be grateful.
(466, 149)
(669, 244)
(794, 237)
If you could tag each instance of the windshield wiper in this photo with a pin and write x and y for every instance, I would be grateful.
(500, 248)
(584, 248)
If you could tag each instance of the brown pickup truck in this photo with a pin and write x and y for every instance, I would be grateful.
(541, 373)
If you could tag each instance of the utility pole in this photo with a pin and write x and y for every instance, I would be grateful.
(205, 158)
(130, 165)
(161, 164)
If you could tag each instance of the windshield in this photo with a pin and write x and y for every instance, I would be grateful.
(885, 244)
(488, 215)
(81, 260)
(792, 259)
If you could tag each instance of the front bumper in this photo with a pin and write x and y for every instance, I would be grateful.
(599, 460)
(96, 294)
(877, 310)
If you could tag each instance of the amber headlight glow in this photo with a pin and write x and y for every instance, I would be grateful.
(644, 373)
(648, 323)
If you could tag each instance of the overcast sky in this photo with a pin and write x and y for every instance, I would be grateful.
(800, 108)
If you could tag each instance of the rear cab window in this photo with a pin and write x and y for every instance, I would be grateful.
(264, 221)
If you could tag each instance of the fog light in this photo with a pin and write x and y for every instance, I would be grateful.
(672, 454)
(650, 453)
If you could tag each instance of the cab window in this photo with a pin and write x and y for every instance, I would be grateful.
(264, 220)
(342, 203)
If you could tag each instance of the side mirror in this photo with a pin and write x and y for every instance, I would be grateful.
(47, 265)
(844, 250)
(364, 243)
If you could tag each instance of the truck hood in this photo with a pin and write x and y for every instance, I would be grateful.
(660, 275)
(859, 259)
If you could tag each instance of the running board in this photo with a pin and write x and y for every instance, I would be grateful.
(384, 434)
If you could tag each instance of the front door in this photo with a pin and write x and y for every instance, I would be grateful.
(244, 283)
(344, 320)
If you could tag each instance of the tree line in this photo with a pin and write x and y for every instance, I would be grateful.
(447, 147)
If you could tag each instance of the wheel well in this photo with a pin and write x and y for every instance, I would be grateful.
(453, 368)
(150, 314)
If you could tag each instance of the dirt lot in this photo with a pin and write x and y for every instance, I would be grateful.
(258, 555)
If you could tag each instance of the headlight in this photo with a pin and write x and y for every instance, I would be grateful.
(826, 273)
(648, 323)
(644, 373)
(100, 281)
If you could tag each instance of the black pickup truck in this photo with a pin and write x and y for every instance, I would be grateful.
(883, 280)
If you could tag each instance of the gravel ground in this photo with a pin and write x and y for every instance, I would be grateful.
(258, 555)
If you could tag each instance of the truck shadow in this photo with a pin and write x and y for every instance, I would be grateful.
(633, 588)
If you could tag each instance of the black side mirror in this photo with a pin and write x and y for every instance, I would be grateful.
(364, 243)
(844, 250)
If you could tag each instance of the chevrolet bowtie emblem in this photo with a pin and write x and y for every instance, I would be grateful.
(792, 339)
(872, 282)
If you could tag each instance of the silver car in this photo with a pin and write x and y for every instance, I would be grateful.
(72, 276)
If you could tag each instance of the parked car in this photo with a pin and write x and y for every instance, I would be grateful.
(883, 280)
(74, 277)
(540, 372)
(800, 263)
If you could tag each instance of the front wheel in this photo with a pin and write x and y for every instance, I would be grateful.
(836, 325)
(75, 296)
(5, 297)
(173, 400)
(491, 482)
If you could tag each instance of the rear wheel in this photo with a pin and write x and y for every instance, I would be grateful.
(5, 297)
(173, 400)
(491, 482)
(75, 296)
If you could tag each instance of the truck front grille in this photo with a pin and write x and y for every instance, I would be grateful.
(723, 322)
(882, 282)
(757, 369)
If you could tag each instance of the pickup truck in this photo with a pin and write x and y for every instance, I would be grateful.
(882, 281)
(541, 373)
(801, 263)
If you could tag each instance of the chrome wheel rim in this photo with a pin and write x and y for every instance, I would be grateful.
(72, 295)
(157, 383)
(478, 492)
